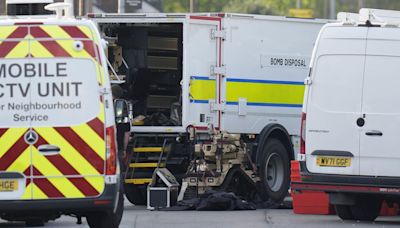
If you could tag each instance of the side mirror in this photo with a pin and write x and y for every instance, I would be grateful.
(121, 111)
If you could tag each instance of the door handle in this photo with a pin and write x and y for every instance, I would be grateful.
(374, 133)
(47, 149)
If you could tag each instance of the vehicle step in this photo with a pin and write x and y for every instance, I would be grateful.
(148, 160)
(138, 181)
(147, 150)
(145, 165)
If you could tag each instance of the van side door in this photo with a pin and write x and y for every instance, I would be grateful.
(16, 137)
(68, 160)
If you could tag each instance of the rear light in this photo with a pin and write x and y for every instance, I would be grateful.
(102, 202)
(111, 151)
(94, 15)
(303, 134)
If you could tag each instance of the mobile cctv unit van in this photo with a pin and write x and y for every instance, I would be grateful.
(57, 131)
(351, 114)
(216, 97)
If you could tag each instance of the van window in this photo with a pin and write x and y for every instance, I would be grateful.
(381, 85)
(337, 83)
(48, 92)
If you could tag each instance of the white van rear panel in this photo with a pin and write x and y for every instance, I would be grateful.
(354, 78)
(334, 98)
(54, 113)
(379, 152)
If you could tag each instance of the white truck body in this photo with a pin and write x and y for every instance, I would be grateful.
(241, 52)
(239, 83)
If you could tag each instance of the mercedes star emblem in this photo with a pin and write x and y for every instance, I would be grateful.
(31, 137)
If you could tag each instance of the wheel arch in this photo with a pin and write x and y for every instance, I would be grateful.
(275, 131)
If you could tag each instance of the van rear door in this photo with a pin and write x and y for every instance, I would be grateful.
(15, 151)
(66, 111)
(334, 101)
(379, 149)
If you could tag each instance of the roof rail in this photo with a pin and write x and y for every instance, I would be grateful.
(385, 17)
(348, 18)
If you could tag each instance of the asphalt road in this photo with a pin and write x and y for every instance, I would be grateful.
(139, 217)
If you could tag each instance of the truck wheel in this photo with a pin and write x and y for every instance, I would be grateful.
(367, 208)
(108, 219)
(34, 222)
(344, 212)
(135, 194)
(275, 171)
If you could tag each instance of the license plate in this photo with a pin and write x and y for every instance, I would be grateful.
(8, 185)
(330, 161)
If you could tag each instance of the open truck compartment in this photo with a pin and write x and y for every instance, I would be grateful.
(148, 57)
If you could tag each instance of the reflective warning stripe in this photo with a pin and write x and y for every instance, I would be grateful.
(7, 46)
(37, 49)
(51, 44)
(265, 92)
(2, 131)
(68, 151)
(97, 125)
(8, 158)
(47, 170)
(202, 89)
(65, 36)
(47, 41)
(23, 161)
(46, 186)
(56, 167)
(138, 181)
(94, 141)
(80, 145)
(19, 51)
(6, 31)
(38, 193)
(146, 165)
(147, 150)
(256, 92)
(8, 139)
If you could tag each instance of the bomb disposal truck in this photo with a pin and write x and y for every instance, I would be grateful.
(216, 98)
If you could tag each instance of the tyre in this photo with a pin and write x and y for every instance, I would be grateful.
(344, 212)
(367, 208)
(136, 194)
(34, 222)
(109, 219)
(275, 170)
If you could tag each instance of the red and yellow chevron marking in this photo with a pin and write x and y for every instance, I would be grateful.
(49, 41)
(13, 140)
(78, 170)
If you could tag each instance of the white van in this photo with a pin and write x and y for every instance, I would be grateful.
(57, 127)
(351, 114)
